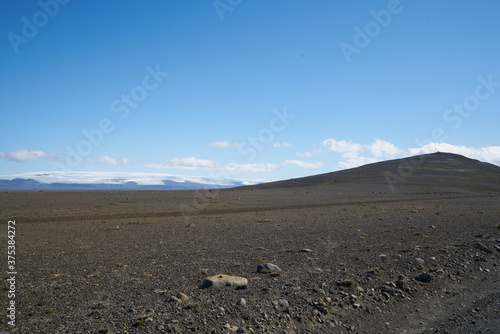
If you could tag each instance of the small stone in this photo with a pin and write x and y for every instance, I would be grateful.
(241, 330)
(221, 280)
(305, 250)
(321, 309)
(419, 260)
(231, 328)
(241, 302)
(482, 247)
(285, 302)
(356, 305)
(175, 299)
(267, 267)
(424, 277)
(182, 296)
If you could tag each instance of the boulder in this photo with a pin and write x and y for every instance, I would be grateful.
(221, 280)
(267, 267)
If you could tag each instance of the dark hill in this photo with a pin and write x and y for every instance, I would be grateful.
(429, 172)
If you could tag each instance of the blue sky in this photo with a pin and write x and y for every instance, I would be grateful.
(245, 89)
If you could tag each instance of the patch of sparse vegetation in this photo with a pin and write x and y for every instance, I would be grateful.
(405, 250)
(138, 323)
(497, 226)
(421, 234)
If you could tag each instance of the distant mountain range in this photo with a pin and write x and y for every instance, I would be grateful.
(81, 181)
(429, 172)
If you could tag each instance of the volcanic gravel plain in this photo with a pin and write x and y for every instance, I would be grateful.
(350, 261)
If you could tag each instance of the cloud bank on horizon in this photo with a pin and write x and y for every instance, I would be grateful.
(350, 155)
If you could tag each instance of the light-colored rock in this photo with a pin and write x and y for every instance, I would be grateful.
(267, 267)
(221, 280)
(241, 302)
(182, 296)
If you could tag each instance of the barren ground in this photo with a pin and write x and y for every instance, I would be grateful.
(110, 262)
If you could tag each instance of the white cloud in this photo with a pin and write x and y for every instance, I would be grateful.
(489, 154)
(190, 163)
(342, 145)
(283, 144)
(381, 148)
(351, 151)
(350, 155)
(223, 144)
(356, 162)
(249, 168)
(305, 154)
(193, 163)
(105, 160)
(25, 155)
(307, 165)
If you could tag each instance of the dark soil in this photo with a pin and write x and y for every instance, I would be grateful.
(133, 262)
